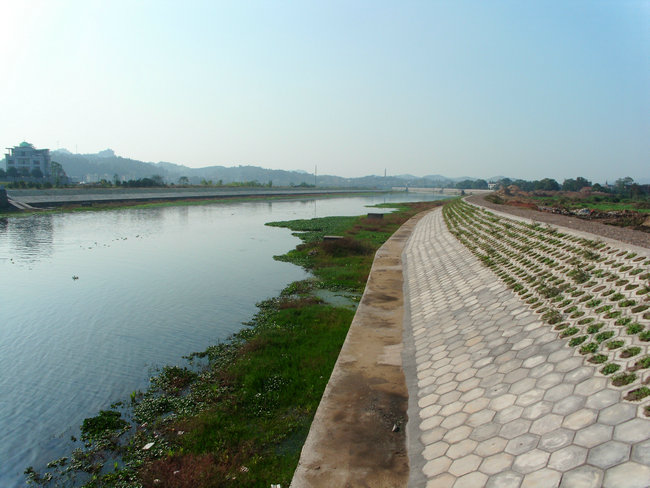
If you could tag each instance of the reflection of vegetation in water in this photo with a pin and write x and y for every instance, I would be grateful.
(239, 415)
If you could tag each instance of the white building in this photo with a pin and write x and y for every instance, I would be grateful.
(26, 158)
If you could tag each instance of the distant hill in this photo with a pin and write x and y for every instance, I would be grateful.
(107, 165)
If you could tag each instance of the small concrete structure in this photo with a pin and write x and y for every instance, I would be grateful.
(4, 201)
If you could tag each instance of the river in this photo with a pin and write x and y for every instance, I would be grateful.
(91, 303)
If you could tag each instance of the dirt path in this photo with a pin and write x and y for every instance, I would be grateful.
(628, 236)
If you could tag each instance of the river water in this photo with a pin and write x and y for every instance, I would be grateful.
(91, 303)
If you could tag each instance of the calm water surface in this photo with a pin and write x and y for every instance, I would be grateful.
(153, 285)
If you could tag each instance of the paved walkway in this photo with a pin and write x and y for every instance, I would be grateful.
(496, 399)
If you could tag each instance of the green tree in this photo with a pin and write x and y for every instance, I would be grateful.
(183, 180)
(58, 173)
(13, 172)
(37, 173)
(158, 180)
(3, 173)
(622, 185)
(547, 184)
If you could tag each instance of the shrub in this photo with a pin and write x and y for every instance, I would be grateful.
(623, 379)
(598, 358)
(634, 328)
(638, 394)
(610, 368)
(576, 341)
(589, 348)
(603, 336)
(569, 332)
(630, 351)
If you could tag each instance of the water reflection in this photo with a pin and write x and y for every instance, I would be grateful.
(29, 238)
(154, 285)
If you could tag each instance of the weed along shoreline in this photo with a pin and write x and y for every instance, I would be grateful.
(238, 413)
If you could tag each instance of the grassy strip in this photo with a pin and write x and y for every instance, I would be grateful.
(242, 417)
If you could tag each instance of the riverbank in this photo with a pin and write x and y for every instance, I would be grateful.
(240, 415)
(160, 201)
(67, 197)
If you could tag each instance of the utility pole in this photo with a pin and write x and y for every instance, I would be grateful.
(315, 174)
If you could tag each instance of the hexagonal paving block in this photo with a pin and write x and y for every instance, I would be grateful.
(472, 394)
(603, 398)
(594, 435)
(629, 475)
(433, 435)
(609, 454)
(558, 392)
(462, 448)
(454, 420)
(505, 479)
(641, 453)
(465, 465)
(521, 444)
(537, 410)
(502, 401)
(485, 431)
(632, 431)
(580, 419)
(546, 424)
(515, 428)
(530, 461)
(458, 434)
(530, 397)
(568, 405)
(471, 480)
(591, 386)
(582, 477)
(522, 386)
(578, 375)
(617, 414)
(444, 480)
(508, 414)
(433, 451)
(491, 446)
(495, 464)
(481, 417)
(556, 439)
(436, 466)
(543, 478)
(567, 458)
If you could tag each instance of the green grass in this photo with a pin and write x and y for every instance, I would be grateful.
(596, 202)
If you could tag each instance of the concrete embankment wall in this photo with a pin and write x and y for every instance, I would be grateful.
(66, 196)
(442, 191)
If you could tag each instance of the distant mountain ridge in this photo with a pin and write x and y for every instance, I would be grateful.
(107, 165)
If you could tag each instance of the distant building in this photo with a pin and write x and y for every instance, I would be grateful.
(492, 186)
(26, 158)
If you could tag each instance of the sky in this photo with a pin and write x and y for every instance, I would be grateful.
(525, 89)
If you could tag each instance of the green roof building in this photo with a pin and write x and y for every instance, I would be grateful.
(26, 158)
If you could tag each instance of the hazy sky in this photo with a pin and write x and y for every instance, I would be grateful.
(519, 88)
